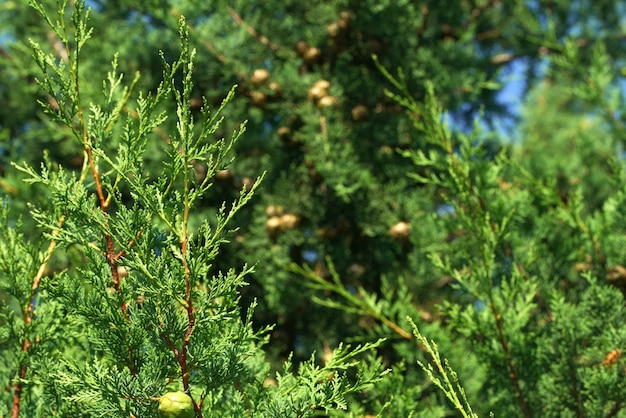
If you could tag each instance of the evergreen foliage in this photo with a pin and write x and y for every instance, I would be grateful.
(141, 315)
(368, 243)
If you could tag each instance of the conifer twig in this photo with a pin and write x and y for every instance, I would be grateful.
(441, 373)
(28, 318)
(585, 229)
(221, 57)
(574, 389)
(73, 58)
(263, 39)
(509, 360)
(614, 410)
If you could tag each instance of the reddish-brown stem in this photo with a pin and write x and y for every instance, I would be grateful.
(477, 11)
(182, 362)
(482, 206)
(323, 127)
(422, 27)
(17, 394)
(243, 396)
(221, 57)
(28, 317)
(509, 361)
(181, 355)
(252, 31)
(171, 345)
(395, 327)
(188, 305)
(616, 408)
(574, 390)
(104, 203)
(63, 53)
(104, 207)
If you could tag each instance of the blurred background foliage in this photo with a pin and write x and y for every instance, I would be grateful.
(544, 78)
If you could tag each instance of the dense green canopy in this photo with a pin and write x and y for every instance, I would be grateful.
(397, 180)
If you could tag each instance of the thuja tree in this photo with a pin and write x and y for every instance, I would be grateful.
(337, 185)
(519, 241)
(534, 251)
(319, 122)
(534, 248)
(137, 325)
